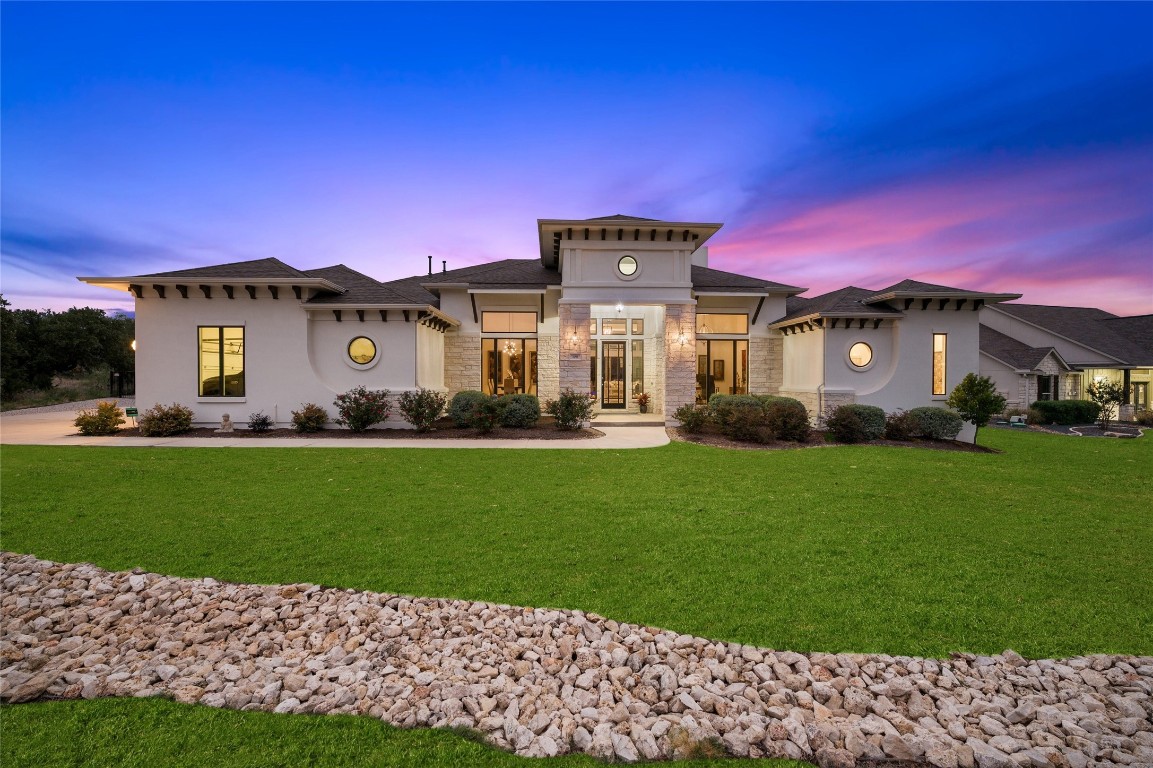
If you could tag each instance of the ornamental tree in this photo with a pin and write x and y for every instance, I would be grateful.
(977, 400)
(1109, 395)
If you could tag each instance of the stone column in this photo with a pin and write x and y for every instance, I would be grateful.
(548, 367)
(680, 357)
(461, 362)
(766, 364)
(574, 346)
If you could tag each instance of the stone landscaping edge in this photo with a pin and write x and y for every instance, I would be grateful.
(543, 682)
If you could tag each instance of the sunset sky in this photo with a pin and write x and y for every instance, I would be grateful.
(1004, 147)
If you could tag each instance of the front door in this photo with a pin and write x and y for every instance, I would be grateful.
(613, 390)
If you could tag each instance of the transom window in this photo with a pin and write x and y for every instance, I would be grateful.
(362, 350)
(508, 322)
(860, 354)
(711, 322)
(221, 368)
(613, 326)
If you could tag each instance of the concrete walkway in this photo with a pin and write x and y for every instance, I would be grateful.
(53, 426)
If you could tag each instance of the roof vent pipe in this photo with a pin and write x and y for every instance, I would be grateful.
(430, 263)
(444, 265)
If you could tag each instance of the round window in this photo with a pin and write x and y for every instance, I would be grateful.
(361, 350)
(860, 354)
(627, 266)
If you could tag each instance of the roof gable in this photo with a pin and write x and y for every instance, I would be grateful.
(1090, 327)
(1014, 353)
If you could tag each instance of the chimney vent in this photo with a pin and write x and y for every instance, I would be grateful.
(444, 265)
(430, 263)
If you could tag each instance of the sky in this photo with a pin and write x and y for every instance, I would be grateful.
(1003, 147)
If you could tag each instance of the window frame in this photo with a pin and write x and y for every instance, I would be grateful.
(853, 363)
(224, 394)
(697, 324)
(944, 365)
(354, 361)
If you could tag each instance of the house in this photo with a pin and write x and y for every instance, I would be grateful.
(614, 306)
(1035, 352)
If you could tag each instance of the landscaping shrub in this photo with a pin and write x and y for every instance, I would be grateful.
(723, 408)
(870, 418)
(845, 425)
(519, 411)
(976, 399)
(937, 423)
(747, 422)
(693, 418)
(899, 425)
(1066, 411)
(1109, 396)
(104, 419)
(767, 400)
(422, 408)
(485, 415)
(1144, 418)
(360, 408)
(310, 418)
(259, 422)
(788, 419)
(1035, 417)
(164, 420)
(570, 410)
(463, 405)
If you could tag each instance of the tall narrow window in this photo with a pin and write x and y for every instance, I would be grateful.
(221, 361)
(939, 345)
(638, 372)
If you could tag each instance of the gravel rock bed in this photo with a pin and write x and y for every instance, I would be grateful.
(543, 682)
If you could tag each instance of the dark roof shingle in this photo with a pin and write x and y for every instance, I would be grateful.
(706, 280)
(846, 302)
(246, 270)
(358, 288)
(1008, 350)
(1090, 327)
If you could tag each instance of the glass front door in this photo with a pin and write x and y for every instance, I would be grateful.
(613, 392)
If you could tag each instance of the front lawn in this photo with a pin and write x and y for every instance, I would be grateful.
(1046, 548)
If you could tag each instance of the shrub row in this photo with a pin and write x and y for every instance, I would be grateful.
(857, 423)
(755, 418)
(1064, 412)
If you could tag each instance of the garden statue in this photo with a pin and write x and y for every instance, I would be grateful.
(225, 423)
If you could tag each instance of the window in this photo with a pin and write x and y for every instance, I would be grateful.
(509, 366)
(613, 327)
(1047, 388)
(627, 266)
(717, 323)
(722, 366)
(860, 354)
(508, 322)
(939, 346)
(638, 373)
(638, 326)
(221, 361)
(361, 350)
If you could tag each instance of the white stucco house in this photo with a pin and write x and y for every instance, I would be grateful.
(614, 306)
(1037, 352)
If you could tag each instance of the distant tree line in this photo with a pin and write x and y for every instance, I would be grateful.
(36, 346)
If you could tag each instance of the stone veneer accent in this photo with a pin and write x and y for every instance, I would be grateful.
(573, 360)
(813, 401)
(543, 682)
(766, 363)
(680, 360)
(547, 367)
(461, 362)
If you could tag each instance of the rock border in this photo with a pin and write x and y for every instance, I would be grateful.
(542, 682)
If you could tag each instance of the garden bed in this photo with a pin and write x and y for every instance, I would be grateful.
(545, 429)
(817, 439)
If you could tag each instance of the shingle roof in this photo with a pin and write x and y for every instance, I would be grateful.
(619, 217)
(707, 280)
(509, 273)
(358, 288)
(907, 288)
(1008, 350)
(846, 302)
(1139, 331)
(1089, 326)
(247, 270)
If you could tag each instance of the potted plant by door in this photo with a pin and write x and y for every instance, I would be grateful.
(643, 401)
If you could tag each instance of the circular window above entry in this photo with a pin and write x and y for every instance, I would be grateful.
(361, 350)
(627, 266)
(860, 354)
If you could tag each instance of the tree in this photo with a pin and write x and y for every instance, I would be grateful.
(977, 400)
(1109, 395)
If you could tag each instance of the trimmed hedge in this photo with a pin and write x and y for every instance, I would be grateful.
(724, 408)
(936, 423)
(464, 405)
(1066, 411)
(164, 420)
(870, 417)
(788, 419)
(519, 411)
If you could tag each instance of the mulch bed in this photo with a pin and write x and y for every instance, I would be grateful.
(545, 429)
(817, 439)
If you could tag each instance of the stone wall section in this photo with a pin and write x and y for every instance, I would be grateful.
(680, 359)
(766, 364)
(817, 403)
(461, 362)
(547, 367)
(573, 361)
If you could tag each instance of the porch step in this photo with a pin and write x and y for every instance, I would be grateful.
(622, 421)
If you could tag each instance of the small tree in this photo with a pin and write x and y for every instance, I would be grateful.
(976, 398)
(1109, 395)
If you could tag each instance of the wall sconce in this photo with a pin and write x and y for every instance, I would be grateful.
(620, 308)
(133, 345)
(682, 339)
(573, 337)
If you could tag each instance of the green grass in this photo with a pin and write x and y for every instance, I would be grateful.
(153, 732)
(88, 386)
(1046, 548)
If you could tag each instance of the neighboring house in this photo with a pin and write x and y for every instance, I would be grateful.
(614, 306)
(1036, 352)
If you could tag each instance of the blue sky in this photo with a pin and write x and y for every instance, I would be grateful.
(991, 146)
